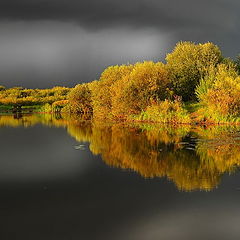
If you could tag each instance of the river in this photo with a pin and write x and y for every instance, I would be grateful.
(66, 178)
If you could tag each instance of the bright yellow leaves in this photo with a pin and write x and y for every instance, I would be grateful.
(80, 101)
(124, 90)
(148, 90)
(190, 62)
(219, 94)
(103, 92)
(21, 96)
(144, 85)
(166, 112)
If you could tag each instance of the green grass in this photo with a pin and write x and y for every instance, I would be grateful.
(192, 107)
(24, 109)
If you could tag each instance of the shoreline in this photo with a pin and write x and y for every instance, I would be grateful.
(173, 123)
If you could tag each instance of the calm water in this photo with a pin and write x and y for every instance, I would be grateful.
(71, 179)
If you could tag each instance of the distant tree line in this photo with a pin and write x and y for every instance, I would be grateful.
(19, 96)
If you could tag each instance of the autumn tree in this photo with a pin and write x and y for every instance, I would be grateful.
(101, 89)
(146, 84)
(80, 99)
(218, 93)
(190, 62)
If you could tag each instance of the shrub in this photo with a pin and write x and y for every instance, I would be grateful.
(145, 84)
(101, 90)
(46, 108)
(80, 100)
(59, 105)
(166, 112)
(219, 94)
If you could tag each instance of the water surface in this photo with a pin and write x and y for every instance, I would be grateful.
(66, 178)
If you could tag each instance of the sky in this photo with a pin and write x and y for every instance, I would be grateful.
(46, 43)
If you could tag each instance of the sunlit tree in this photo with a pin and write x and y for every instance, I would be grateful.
(80, 100)
(190, 62)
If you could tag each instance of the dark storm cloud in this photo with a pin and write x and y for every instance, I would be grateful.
(166, 14)
(56, 42)
(47, 53)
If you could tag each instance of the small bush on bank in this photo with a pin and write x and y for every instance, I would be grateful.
(166, 112)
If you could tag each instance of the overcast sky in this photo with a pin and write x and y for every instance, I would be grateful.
(44, 43)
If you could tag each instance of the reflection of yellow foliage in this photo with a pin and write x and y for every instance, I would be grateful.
(81, 131)
(157, 152)
(153, 150)
(29, 120)
(12, 121)
(220, 146)
(141, 151)
(164, 133)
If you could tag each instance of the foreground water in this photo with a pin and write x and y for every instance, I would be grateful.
(71, 179)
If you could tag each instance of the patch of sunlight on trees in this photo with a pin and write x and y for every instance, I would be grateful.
(18, 96)
(195, 76)
(159, 92)
(188, 63)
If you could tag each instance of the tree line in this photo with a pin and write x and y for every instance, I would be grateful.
(195, 83)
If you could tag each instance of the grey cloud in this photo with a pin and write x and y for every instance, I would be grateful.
(47, 53)
(55, 42)
(164, 14)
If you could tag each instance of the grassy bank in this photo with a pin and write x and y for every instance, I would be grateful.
(24, 109)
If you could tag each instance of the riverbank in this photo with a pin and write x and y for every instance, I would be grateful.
(191, 113)
(10, 109)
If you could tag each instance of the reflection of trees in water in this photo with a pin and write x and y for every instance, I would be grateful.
(17, 121)
(28, 120)
(193, 158)
(151, 156)
(165, 152)
(219, 148)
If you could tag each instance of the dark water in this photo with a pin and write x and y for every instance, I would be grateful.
(70, 179)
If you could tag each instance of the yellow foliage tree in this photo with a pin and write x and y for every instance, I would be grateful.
(219, 94)
(101, 90)
(80, 99)
(144, 85)
(190, 62)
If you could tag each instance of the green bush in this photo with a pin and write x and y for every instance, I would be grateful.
(188, 63)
